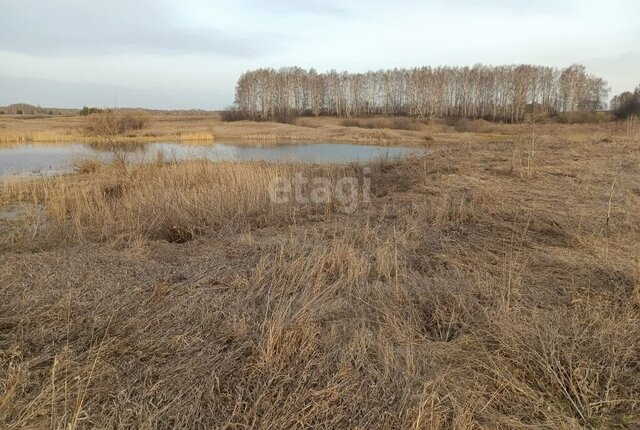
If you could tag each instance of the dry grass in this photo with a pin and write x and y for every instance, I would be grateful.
(200, 136)
(380, 131)
(130, 126)
(21, 129)
(394, 123)
(465, 125)
(485, 286)
(170, 201)
(36, 137)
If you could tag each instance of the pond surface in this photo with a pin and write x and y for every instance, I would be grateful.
(55, 158)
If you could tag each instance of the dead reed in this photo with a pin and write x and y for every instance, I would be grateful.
(172, 201)
(467, 294)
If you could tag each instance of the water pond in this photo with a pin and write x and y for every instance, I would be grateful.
(55, 158)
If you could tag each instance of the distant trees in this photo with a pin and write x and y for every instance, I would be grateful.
(492, 92)
(21, 109)
(28, 109)
(86, 111)
(626, 104)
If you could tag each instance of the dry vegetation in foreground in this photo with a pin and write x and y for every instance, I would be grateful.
(485, 286)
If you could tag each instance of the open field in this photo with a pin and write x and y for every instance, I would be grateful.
(42, 129)
(494, 283)
(45, 129)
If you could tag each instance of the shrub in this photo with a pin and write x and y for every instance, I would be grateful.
(626, 104)
(352, 122)
(285, 117)
(133, 121)
(108, 123)
(232, 114)
(463, 125)
(103, 124)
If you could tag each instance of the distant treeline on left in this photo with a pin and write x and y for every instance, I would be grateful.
(28, 109)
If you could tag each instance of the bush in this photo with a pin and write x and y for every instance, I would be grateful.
(285, 117)
(626, 104)
(133, 121)
(108, 123)
(464, 125)
(232, 114)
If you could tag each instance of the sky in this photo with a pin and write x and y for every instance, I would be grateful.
(182, 54)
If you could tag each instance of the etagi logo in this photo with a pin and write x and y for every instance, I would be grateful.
(347, 191)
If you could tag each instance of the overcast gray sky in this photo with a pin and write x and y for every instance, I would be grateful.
(189, 53)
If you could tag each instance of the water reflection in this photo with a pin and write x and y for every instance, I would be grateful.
(116, 147)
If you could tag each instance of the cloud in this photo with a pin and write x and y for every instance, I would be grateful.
(619, 70)
(134, 43)
(552, 7)
(44, 27)
(55, 93)
(304, 6)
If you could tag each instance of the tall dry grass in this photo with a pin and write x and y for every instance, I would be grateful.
(172, 201)
(129, 125)
(466, 295)
(29, 137)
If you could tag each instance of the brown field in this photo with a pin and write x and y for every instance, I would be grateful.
(44, 129)
(17, 129)
(493, 283)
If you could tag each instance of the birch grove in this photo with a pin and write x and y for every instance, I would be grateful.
(499, 93)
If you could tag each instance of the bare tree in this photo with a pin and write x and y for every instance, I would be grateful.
(505, 93)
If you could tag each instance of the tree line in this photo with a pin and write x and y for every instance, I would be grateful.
(626, 104)
(28, 109)
(505, 93)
